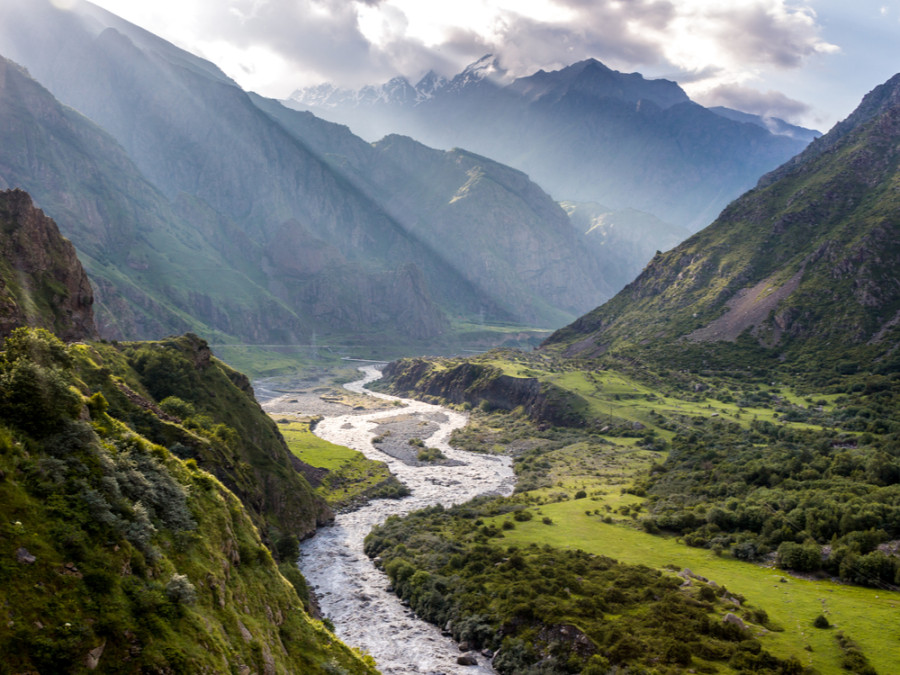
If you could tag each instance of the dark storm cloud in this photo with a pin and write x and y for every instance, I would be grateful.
(767, 104)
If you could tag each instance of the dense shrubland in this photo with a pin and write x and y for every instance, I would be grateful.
(117, 555)
(546, 610)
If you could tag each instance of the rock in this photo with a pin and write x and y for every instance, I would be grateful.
(248, 637)
(464, 646)
(487, 653)
(92, 660)
(736, 620)
(24, 557)
(467, 660)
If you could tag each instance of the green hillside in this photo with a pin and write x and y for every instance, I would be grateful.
(117, 556)
(804, 263)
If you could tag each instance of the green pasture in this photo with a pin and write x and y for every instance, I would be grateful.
(870, 617)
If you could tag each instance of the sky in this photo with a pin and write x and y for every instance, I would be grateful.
(807, 61)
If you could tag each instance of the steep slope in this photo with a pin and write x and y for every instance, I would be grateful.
(42, 282)
(623, 240)
(491, 224)
(585, 133)
(176, 394)
(806, 261)
(119, 557)
(197, 138)
(307, 232)
(152, 264)
(116, 555)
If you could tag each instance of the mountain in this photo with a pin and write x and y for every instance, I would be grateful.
(288, 228)
(806, 262)
(42, 282)
(152, 262)
(622, 240)
(122, 551)
(584, 133)
(774, 124)
(118, 556)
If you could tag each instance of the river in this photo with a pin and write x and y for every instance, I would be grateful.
(352, 592)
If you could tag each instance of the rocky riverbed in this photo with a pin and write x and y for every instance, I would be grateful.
(352, 592)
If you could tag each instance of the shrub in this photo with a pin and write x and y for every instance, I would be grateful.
(177, 407)
(180, 590)
(287, 547)
(802, 558)
(821, 622)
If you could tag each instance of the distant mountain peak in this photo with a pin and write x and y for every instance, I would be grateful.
(595, 80)
(485, 69)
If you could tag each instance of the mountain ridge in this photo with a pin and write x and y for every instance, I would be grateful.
(591, 134)
(805, 260)
(262, 192)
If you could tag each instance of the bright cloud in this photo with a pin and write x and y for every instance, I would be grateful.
(274, 46)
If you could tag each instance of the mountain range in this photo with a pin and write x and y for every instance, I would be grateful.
(806, 263)
(198, 206)
(585, 133)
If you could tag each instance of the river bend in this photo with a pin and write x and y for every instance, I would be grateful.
(352, 592)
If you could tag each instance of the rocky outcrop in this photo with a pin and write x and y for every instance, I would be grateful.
(42, 282)
(484, 385)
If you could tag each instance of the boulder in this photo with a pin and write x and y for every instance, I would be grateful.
(24, 557)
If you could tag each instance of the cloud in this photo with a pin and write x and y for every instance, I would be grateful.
(769, 33)
(275, 46)
(767, 104)
(317, 37)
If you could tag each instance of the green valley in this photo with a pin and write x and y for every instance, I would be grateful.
(641, 474)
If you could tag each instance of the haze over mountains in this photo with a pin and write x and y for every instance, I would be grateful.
(196, 205)
(277, 224)
(584, 133)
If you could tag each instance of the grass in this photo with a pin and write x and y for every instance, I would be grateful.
(351, 475)
(603, 465)
(868, 616)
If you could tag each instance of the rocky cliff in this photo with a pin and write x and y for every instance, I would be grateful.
(42, 282)
(480, 384)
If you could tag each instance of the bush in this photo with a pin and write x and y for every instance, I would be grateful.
(523, 515)
(802, 558)
(287, 548)
(180, 590)
(177, 407)
(821, 622)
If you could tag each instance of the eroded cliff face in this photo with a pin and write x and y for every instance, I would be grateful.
(482, 384)
(42, 282)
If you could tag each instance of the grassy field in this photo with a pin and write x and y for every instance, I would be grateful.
(602, 466)
(351, 476)
(870, 617)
